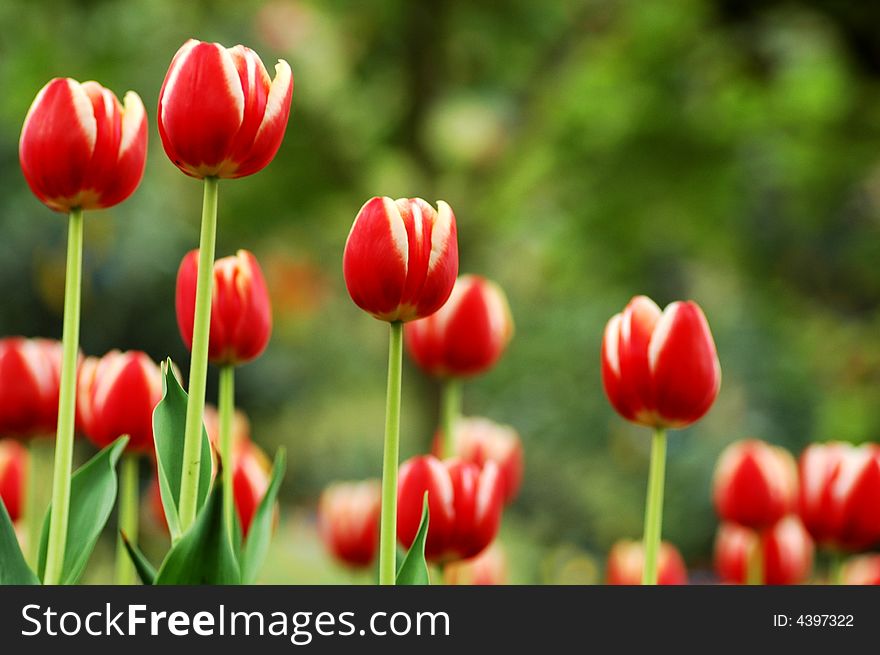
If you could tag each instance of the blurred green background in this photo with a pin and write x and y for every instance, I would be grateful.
(724, 151)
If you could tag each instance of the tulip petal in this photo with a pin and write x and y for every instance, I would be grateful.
(131, 158)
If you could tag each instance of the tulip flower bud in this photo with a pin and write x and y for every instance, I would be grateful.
(464, 501)
(13, 472)
(839, 500)
(30, 370)
(786, 552)
(116, 396)
(862, 570)
(241, 315)
(627, 557)
(401, 258)
(660, 369)
(487, 568)
(479, 440)
(467, 335)
(250, 480)
(755, 484)
(348, 520)
(80, 147)
(220, 115)
(241, 427)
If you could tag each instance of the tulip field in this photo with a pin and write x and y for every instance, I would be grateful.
(570, 294)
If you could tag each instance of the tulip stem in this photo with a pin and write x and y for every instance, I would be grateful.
(226, 408)
(451, 414)
(755, 563)
(198, 368)
(39, 467)
(128, 517)
(66, 403)
(654, 507)
(388, 528)
(835, 571)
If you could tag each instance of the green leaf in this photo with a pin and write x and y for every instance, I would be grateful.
(13, 568)
(414, 569)
(145, 570)
(257, 543)
(92, 497)
(204, 554)
(169, 426)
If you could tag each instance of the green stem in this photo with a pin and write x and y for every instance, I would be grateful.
(835, 572)
(654, 507)
(198, 368)
(128, 517)
(39, 470)
(388, 528)
(66, 403)
(451, 412)
(755, 562)
(226, 409)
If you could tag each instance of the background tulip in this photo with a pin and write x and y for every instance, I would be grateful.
(465, 504)
(487, 568)
(13, 473)
(862, 570)
(250, 480)
(348, 520)
(467, 335)
(401, 258)
(626, 563)
(29, 378)
(241, 315)
(480, 440)
(81, 148)
(839, 499)
(755, 484)
(660, 369)
(220, 115)
(117, 396)
(786, 552)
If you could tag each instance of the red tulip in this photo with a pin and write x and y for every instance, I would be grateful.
(467, 335)
(250, 480)
(626, 561)
(13, 473)
(464, 501)
(862, 570)
(839, 500)
(30, 371)
(241, 316)
(786, 552)
(241, 427)
(80, 147)
(348, 519)
(401, 258)
(220, 115)
(660, 369)
(755, 484)
(487, 568)
(116, 396)
(479, 440)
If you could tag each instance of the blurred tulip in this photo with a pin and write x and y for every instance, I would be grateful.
(30, 370)
(348, 520)
(465, 504)
(250, 480)
(116, 396)
(755, 484)
(862, 570)
(80, 147)
(13, 474)
(401, 258)
(241, 316)
(839, 499)
(487, 568)
(786, 552)
(220, 115)
(480, 440)
(241, 426)
(660, 369)
(626, 561)
(467, 335)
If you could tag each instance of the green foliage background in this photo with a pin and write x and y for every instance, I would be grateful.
(591, 149)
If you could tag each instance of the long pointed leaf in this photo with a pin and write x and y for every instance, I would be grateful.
(169, 425)
(145, 570)
(13, 568)
(92, 497)
(414, 569)
(257, 543)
